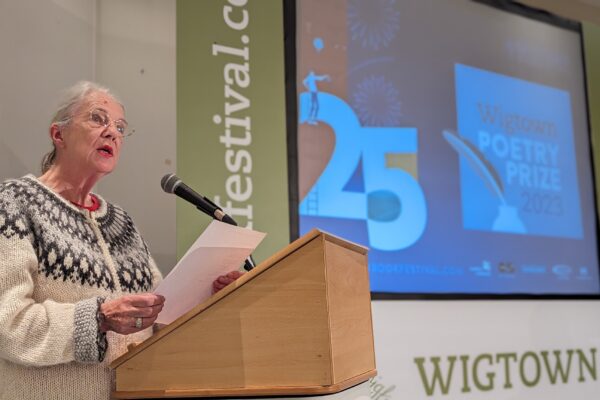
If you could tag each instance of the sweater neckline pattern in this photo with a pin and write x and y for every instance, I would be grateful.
(100, 212)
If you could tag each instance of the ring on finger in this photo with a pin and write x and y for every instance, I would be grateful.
(138, 322)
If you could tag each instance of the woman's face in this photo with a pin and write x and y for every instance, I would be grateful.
(88, 144)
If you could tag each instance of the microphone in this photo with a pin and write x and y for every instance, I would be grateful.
(171, 183)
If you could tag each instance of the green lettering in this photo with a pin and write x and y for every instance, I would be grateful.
(590, 366)
(376, 390)
(558, 367)
(490, 375)
(464, 360)
(536, 361)
(437, 378)
(506, 357)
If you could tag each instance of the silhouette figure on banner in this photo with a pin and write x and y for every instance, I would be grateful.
(310, 83)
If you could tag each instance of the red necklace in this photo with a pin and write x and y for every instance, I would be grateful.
(95, 204)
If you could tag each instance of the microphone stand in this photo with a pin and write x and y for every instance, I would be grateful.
(249, 263)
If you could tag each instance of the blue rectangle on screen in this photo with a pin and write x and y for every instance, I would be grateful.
(518, 171)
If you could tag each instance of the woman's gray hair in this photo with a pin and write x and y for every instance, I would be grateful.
(72, 98)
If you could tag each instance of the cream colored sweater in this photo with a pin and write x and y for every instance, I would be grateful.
(56, 264)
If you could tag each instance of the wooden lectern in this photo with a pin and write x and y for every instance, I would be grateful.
(297, 324)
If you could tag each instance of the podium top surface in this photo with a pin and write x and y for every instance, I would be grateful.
(265, 265)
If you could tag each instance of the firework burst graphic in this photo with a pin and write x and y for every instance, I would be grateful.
(376, 102)
(373, 23)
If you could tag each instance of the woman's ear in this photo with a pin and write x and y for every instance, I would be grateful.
(56, 135)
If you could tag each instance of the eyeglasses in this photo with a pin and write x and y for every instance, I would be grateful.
(99, 118)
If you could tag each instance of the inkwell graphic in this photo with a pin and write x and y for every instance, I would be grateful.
(507, 219)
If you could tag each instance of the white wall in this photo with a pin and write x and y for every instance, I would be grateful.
(136, 57)
(45, 46)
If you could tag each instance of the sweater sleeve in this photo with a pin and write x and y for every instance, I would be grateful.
(156, 274)
(46, 333)
(90, 345)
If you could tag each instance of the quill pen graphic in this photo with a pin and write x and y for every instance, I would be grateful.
(477, 161)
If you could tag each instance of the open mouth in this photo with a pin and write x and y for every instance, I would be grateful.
(106, 151)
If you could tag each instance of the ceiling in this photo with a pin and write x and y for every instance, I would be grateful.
(578, 10)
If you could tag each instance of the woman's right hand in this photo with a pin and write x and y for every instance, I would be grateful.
(121, 315)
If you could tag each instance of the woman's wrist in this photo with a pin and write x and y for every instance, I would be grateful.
(101, 316)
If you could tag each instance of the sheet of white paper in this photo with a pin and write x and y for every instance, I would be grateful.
(221, 248)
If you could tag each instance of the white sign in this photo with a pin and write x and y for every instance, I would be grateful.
(546, 350)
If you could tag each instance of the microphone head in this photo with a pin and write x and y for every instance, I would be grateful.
(169, 183)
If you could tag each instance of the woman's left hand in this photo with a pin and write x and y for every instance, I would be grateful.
(225, 280)
(130, 313)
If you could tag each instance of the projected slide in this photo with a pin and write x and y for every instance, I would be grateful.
(460, 157)
(517, 160)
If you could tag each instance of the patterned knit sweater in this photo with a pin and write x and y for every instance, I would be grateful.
(56, 263)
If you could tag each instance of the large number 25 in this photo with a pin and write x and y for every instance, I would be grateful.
(392, 204)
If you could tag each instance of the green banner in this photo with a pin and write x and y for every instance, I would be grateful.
(231, 137)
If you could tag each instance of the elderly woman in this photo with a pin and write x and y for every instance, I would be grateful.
(75, 273)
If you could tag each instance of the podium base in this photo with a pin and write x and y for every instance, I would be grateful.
(247, 392)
